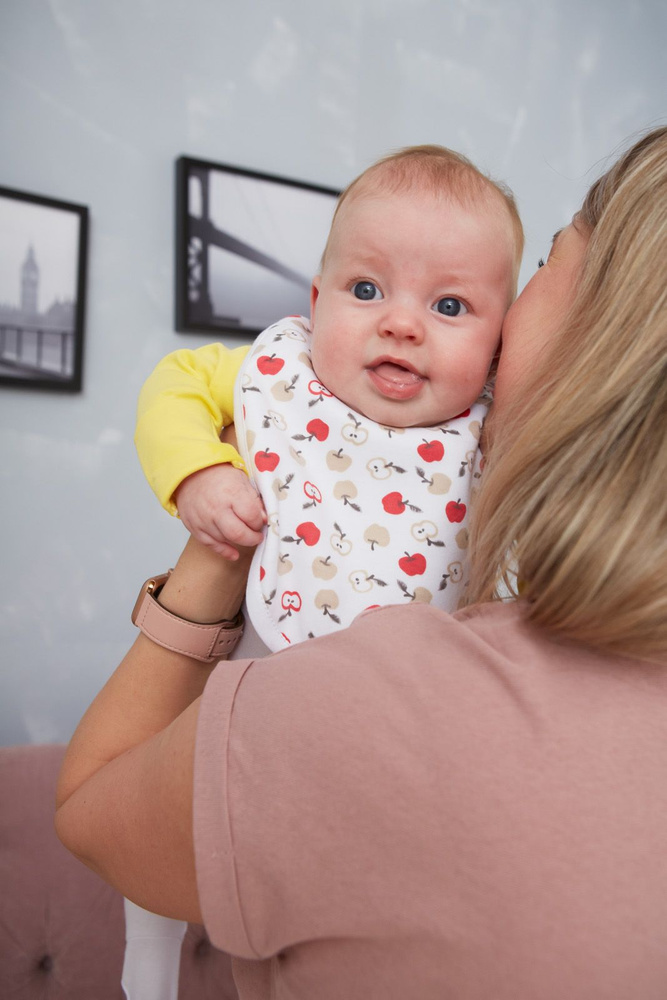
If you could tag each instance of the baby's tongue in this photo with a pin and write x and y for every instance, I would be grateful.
(395, 373)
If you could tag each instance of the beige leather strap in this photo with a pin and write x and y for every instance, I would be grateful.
(205, 643)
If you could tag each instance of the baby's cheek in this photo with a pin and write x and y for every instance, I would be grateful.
(321, 359)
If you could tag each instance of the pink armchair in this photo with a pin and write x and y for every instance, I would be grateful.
(61, 927)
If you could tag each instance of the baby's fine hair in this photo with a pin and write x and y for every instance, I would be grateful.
(437, 171)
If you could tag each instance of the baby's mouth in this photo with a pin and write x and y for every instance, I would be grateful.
(394, 380)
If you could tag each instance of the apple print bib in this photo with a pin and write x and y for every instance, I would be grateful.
(359, 514)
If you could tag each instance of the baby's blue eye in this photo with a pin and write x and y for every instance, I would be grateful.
(366, 290)
(450, 307)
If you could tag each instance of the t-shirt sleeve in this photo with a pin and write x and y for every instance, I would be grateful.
(182, 408)
(291, 793)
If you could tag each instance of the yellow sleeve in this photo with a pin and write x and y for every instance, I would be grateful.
(183, 406)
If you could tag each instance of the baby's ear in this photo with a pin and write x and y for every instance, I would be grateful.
(314, 294)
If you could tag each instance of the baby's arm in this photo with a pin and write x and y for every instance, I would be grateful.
(183, 406)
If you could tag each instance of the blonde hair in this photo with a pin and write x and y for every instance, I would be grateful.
(574, 490)
(438, 171)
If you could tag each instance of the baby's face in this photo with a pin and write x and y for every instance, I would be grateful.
(407, 312)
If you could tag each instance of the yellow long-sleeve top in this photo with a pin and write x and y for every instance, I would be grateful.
(183, 406)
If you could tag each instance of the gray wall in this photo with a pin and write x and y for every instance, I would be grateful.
(97, 100)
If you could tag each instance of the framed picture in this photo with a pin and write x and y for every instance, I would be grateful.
(43, 246)
(247, 246)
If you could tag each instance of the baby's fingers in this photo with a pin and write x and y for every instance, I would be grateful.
(223, 548)
(249, 508)
(238, 532)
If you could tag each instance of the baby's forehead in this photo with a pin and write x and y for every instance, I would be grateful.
(414, 206)
(481, 198)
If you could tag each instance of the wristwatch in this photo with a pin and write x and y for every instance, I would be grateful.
(205, 643)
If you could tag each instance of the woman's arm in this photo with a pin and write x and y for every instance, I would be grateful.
(124, 797)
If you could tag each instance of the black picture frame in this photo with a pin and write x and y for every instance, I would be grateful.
(247, 246)
(43, 258)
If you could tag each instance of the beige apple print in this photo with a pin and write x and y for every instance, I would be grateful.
(297, 455)
(284, 564)
(379, 468)
(475, 429)
(273, 524)
(340, 542)
(422, 595)
(284, 391)
(454, 574)
(376, 534)
(343, 488)
(277, 419)
(423, 530)
(455, 570)
(281, 486)
(324, 568)
(437, 484)
(467, 463)
(360, 581)
(461, 538)
(250, 439)
(304, 358)
(355, 432)
(296, 333)
(326, 601)
(338, 461)
(346, 491)
(392, 430)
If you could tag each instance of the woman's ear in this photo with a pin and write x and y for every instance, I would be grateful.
(314, 294)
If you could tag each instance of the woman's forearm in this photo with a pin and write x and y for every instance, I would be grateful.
(153, 685)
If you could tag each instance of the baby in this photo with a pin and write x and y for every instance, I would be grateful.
(357, 431)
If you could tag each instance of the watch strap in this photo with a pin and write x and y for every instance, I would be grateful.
(204, 642)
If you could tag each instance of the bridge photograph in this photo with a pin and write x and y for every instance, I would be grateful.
(247, 246)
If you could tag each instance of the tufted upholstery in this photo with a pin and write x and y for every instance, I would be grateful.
(61, 927)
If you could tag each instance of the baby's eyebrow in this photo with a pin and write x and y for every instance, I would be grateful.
(555, 236)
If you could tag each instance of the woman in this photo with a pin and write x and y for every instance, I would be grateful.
(426, 805)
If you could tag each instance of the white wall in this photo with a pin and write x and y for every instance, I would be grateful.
(96, 101)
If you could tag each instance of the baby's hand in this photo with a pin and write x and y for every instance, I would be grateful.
(220, 508)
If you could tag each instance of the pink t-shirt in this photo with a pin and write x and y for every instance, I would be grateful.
(436, 806)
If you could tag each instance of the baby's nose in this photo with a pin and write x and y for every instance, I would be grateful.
(403, 324)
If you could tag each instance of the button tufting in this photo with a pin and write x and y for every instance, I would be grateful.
(45, 963)
(202, 947)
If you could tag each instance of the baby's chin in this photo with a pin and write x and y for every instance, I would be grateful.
(392, 414)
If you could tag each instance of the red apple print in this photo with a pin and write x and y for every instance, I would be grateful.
(262, 572)
(309, 532)
(290, 600)
(318, 429)
(269, 364)
(455, 511)
(316, 388)
(459, 416)
(266, 461)
(312, 492)
(413, 565)
(431, 451)
(393, 503)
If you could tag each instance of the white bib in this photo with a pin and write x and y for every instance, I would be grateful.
(359, 514)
